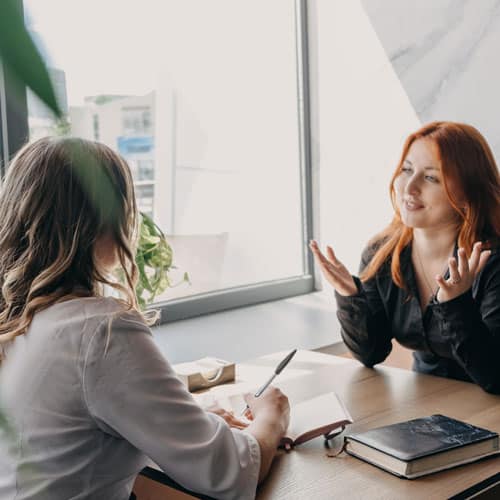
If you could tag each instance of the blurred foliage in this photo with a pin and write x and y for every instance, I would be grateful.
(62, 127)
(21, 58)
(103, 98)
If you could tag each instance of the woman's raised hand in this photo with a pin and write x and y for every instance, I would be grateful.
(462, 273)
(333, 270)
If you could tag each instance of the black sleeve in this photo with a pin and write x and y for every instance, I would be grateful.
(365, 327)
(471, 323)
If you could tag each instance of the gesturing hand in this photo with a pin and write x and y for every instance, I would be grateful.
(333, 270)
(463, 273)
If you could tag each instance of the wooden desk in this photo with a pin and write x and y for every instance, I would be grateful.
(374, 397)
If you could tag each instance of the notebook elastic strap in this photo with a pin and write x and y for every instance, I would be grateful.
(329, 437)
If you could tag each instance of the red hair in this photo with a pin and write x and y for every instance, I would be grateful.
(466, 161)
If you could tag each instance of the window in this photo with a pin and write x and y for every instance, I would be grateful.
(207, 107)
(145, 170)
(136, 121)
(145, 196)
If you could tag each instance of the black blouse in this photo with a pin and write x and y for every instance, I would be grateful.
(459, 338)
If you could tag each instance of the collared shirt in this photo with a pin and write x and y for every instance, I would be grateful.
(459, 338)
(89, 397)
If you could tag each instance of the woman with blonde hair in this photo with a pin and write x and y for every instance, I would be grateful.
(86, 393)
(431, 279)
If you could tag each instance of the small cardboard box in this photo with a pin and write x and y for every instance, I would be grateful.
(204, 373)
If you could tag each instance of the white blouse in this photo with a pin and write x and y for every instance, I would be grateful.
(89, 397)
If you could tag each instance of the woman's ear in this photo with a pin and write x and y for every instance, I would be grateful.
(105, 252)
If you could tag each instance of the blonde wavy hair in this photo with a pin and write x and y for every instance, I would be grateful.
(59, 197)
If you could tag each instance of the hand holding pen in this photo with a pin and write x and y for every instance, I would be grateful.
(277, 371)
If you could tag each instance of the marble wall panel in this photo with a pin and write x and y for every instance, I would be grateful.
(446, 56)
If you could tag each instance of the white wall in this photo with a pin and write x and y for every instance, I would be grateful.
(363, 118)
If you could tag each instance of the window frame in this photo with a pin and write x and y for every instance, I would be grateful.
(14, 132)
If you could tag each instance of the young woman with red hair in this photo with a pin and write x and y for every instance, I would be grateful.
(431, 279)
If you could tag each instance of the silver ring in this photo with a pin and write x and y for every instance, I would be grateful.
(455, 282)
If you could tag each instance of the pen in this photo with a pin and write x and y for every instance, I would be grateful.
(277, 371)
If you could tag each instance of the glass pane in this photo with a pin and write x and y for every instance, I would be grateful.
(201, 99)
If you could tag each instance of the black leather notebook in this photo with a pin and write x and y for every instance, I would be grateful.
(423, 445)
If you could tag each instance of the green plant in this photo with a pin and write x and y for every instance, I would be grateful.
(154, 261)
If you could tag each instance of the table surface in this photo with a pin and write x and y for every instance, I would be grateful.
(374, 397)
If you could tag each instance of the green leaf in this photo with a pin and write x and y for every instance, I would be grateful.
(154, 257)
(149, 225)
(20, 55)
(143, 276)
(148, 238)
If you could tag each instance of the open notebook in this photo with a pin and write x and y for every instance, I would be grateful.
(319, 416)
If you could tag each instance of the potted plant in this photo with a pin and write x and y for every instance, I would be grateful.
(154, 262)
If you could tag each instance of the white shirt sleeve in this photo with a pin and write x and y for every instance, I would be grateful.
(130, 388)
